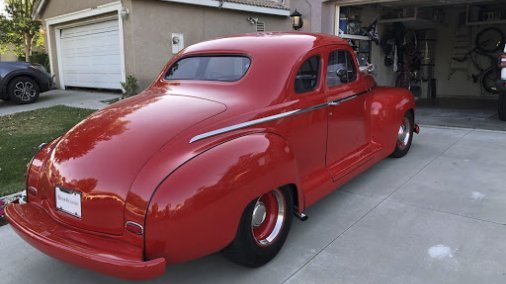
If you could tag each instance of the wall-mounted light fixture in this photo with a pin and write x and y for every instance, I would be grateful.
(297, 21)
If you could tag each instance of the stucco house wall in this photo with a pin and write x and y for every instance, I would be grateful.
(148, 27)
(150, 43)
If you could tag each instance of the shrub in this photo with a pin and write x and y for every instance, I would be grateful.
(130, 87)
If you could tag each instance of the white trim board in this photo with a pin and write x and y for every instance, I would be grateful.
(102, 9)
(99, 10)
(234, 6)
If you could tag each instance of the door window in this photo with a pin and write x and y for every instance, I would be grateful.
(341, 68)
(308, 75)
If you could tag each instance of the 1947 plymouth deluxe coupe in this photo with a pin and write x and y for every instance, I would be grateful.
(234, 138)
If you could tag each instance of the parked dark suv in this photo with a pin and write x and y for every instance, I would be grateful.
(22, 82)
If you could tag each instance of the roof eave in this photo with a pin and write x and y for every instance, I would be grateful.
(235, 6)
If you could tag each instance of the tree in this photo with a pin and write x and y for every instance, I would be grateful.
(18, 31)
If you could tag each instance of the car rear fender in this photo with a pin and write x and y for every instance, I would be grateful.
(387, 108)
(197, 209)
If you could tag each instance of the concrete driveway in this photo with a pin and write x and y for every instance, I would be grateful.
(435, 216)
(74, 98)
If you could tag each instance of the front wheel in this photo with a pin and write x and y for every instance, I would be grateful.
(23, 90)
(263, 229)
(404, 136)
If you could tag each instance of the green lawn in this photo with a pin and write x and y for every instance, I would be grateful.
(21, 133)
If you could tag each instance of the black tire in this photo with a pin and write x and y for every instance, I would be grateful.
(23, 90)
(403, 141)
(246, 249)
(501, 110)
(489, 80)
(490, 40)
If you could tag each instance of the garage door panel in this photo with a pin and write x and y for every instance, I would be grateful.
(90, 56)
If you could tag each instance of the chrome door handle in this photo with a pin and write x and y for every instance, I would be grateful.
(333, 103)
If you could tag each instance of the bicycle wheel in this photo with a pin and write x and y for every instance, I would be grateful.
(489, 80)
(490, 40)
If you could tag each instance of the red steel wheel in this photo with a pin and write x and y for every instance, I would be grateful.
(404, 136)
(263, 228)
(268, 217)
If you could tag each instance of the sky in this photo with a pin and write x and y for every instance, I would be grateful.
(2, 6)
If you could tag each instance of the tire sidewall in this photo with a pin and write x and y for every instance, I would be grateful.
(398, 152)
(12, 84)
(245, 250)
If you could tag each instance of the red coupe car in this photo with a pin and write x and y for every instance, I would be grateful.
(234, 138)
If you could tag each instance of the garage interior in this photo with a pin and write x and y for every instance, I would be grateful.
(444, 51)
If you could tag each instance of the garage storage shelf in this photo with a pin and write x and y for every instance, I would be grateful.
(476, 15)
(426, 16)
(482, 23)
(358, 37)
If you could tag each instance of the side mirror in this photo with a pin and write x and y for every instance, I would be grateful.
(341, 72)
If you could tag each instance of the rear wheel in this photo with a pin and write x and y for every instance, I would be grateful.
(23, 90)
(404, 136)
(502, 107)
(263, 229)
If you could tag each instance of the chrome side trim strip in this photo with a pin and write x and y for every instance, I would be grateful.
(273, 117)
(256, 121)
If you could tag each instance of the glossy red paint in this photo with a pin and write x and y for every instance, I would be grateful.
(133, 161)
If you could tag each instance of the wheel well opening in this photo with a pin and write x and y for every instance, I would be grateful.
(295, 194)
(20, 76)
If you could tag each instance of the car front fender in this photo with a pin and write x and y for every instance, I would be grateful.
(387, 108)
(196, 210)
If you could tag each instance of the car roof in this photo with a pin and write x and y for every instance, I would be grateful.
(294, 43)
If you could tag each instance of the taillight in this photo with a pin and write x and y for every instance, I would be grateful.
(502, 60)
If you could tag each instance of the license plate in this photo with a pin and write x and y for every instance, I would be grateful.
(68, 201)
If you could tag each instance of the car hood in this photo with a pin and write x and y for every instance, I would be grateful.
(101, 156)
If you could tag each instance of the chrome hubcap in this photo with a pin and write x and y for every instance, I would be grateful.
(268, 217)
(25, 91)
(259, 214)
(404, 134)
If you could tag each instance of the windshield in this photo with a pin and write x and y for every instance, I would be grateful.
(226, 68)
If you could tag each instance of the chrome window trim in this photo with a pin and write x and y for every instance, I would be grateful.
(274, 117)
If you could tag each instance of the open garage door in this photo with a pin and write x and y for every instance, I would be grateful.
(445, 52)
(90, 56)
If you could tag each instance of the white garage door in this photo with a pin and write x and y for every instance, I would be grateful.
(90, 56)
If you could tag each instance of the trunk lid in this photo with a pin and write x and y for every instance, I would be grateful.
(100, 157)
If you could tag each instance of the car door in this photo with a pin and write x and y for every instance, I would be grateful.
(347, 118)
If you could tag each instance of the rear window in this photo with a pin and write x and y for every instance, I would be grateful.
(209, 68)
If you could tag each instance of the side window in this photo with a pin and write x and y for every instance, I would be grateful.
(341, 68)
(308, 75)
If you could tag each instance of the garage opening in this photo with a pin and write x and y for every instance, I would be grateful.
(90, 56)
(445, 52)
